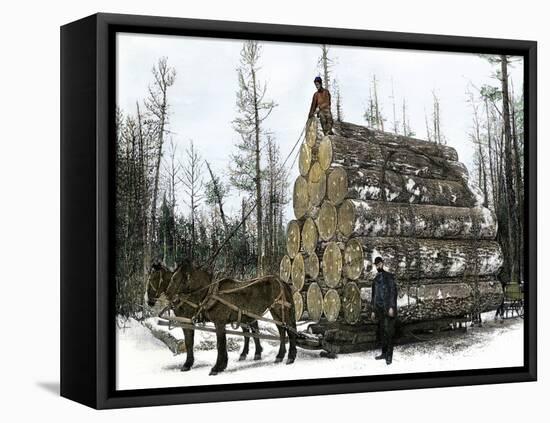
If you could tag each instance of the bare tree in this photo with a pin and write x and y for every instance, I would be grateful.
(193, 185)
(246, 173)
(157, 105)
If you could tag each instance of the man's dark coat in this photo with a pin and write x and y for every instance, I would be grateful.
(390, 291)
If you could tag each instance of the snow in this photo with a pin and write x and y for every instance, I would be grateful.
(145, 362)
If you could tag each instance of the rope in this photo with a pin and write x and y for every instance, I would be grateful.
(209, 261)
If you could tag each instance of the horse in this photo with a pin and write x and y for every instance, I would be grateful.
(194, 287)
(157, 284)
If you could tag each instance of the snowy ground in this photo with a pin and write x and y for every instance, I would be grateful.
(145, 362)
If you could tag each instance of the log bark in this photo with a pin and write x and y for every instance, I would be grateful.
(381, 219)
(314, 302)
(332, 264)
(293, 235)
(317, 185)
(386, 185)
(410, 258)
(327, 220)
(309, 236)
(298, 273)
(285, 268)
(391, 140)
(404, 158)
(331, 305)
(300, 197)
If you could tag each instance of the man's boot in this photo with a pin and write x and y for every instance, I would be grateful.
(389, 357)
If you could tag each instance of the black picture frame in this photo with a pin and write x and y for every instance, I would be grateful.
(87, 205)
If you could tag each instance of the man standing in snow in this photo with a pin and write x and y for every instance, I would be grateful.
(384, 306)
(321, 101)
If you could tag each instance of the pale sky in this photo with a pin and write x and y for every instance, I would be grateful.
(202, 99)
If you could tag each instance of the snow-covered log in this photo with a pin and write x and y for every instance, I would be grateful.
(380, 219)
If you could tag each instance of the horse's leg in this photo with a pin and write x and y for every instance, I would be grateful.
(246, 344)
(221, 342)
(189, 335)
(291, 335)
(282, 345)
(258, 346)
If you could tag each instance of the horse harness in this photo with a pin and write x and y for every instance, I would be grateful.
(215, 295)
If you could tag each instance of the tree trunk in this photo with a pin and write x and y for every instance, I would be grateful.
(410, 258)
(381, 219)
(390, 140)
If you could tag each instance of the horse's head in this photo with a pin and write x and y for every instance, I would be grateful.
(187, 279)
(157, 282)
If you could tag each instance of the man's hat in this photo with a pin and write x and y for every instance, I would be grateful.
(378, 260)
(318, 79)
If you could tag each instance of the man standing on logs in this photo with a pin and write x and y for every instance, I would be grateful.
(384, 305)
(321, 101)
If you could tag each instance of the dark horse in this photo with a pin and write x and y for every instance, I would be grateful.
(256, 296)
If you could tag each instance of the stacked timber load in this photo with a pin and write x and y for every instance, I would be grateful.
(363, 193)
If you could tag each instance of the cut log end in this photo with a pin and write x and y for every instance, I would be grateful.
(298, 272)
(317, 184)
(346, 218)
(298, 305)
(325, 153)
(285, 268)
(293, 238)
(351, 303)
(312, 266)
(311, 133)
(300, 197)
(331, 305)
(353, 259)
(304, 160)
(314, 302)
(309, 235)
(332, 265)
(337, 188)
(327, 221)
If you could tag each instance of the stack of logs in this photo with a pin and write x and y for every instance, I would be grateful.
(363, 193)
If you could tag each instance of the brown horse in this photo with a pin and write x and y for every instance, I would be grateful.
(157, 284)
(257, 296)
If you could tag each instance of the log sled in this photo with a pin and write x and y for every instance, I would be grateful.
(363, 193)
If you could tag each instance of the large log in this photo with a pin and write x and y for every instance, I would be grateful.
(402, 158)
(285, 268)
(311, 263)
(410, 258)
(309, 235)
(390, 140)
(381, 219)
(381, 184)
(331, 305)
(317, 185)
(327, 220)
(304, 159)
(314, 302)
(300, 197)
(298, 272)
(293, 237)
(332, 264)
(441, 300)
(298, 305)
(351, 303)
(311, 132)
